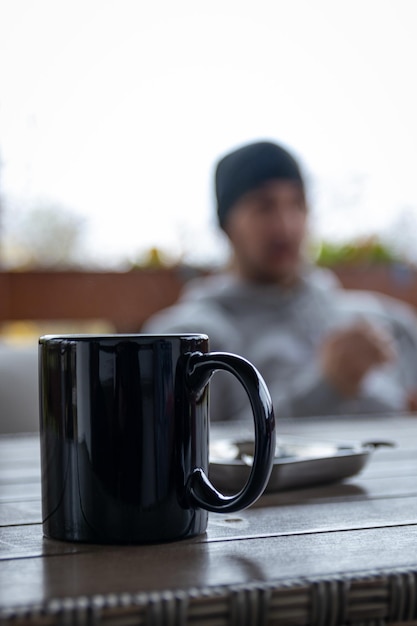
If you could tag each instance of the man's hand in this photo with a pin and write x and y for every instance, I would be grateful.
(348, 355)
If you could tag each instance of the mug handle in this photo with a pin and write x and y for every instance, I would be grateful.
(200, 490)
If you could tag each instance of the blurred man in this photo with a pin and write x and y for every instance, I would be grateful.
(321, 350)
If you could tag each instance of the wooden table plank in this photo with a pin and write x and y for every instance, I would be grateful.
(392, 462)
(19, 475)
(19, 513)
(22, 503)
(20, 492)
(23, 541)
(19, 448)
(387, 475)
(189, 565)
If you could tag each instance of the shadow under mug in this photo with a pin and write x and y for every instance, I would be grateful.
(124, 428)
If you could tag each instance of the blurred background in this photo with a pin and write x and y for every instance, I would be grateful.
(112, 115)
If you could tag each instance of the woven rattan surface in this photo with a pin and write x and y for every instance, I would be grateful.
(342, 553)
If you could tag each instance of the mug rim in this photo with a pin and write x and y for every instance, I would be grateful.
(56, 338)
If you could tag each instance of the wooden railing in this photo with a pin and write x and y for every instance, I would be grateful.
(395, 280)
(127, 299)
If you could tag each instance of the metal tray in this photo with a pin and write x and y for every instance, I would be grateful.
(298, 463)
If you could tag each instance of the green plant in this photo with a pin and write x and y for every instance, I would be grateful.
(367, 251)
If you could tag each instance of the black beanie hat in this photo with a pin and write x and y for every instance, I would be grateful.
(247, 168)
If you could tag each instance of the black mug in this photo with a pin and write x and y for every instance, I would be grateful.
(124, 436)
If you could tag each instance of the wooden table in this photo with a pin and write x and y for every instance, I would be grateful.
(344, 553)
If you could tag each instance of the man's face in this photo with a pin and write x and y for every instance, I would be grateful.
(266, 227)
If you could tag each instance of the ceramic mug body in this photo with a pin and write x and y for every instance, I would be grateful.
(124, 428)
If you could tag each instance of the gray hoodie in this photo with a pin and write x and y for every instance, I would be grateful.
(280, 330)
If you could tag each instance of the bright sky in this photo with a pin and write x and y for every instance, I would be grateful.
(118, 109)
